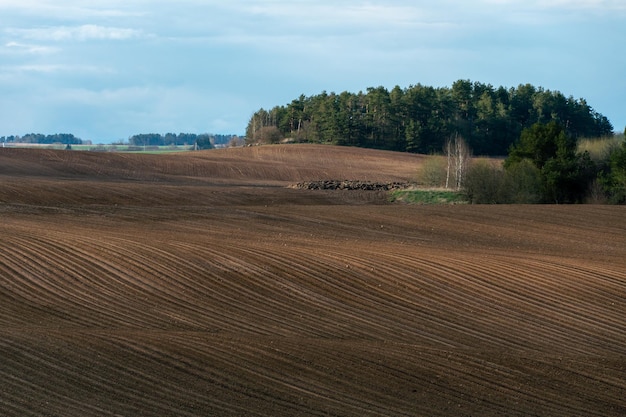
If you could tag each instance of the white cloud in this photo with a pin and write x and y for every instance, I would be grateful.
(324, 32)
(266, 52)
(56, 68)
(606, 5)
(356, 13)
(564, 4)
(75, 10)
(75, 33)
(43, 69)
(114, 113)
(31, 49)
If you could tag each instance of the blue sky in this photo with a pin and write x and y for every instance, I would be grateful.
(107, 69)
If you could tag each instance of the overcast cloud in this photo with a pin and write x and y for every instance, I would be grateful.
(110, 69)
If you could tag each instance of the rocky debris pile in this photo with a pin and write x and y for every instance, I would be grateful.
(351, 185)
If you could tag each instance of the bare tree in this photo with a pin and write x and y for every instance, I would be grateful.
(458, 155)
(449, 158)
(267, 135)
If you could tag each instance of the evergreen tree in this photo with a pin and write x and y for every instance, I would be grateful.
(420, 118)
(616, 183)
(565, 174)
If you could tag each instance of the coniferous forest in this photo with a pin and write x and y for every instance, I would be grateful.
(421, 119)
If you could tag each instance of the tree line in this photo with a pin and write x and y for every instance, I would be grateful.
(63, 138)
(200, 141)
(547, 165)
(421, 119)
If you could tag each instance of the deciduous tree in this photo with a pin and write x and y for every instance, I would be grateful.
(458, 155)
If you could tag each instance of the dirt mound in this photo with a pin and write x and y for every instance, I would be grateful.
(187, 293)
(351, 185)
(244, 176)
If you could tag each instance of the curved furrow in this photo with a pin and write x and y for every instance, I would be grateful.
(123, 289)
(286, 389)
(495, 279)
(330, 284)
(221, 366)
(77, 282)
(413, 294)
(107, 283)
(599, 283)
(510, 300)
(29, 366)
(191, 379)
(255, 370)
(511, 375)
(368, 292)
(262, 280)
(36, 279)
(542, 292)
(84, 373)
(509, 380)
(561, 301)
(309, 381)
(190, 284)
(320, 284)
(15, 406)
(313, 374)
(397, 313)
(239, 284)
(422, 295)
(226, 283)
(330, 363)
(270, 293)
(589, 370)
(157, 276)
(331, 288)
(579, 291)
(457, 289)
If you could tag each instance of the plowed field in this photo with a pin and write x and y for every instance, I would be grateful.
(201, 284)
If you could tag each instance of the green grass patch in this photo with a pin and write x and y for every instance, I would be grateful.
(428, 197)
(132, 149)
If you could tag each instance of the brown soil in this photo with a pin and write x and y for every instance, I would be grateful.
(202, 284)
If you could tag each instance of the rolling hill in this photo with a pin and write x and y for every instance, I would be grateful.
(202, 284)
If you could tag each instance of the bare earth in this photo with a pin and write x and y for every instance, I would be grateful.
(201, 284)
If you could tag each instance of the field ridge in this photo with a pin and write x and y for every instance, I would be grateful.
(201, 283)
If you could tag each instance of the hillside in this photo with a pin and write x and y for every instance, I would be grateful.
(201, 284)
(48, 177)
(290, 163)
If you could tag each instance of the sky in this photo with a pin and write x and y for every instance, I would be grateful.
(105, 70)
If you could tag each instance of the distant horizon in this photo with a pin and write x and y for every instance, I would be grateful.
(123, 141)
(616, 130)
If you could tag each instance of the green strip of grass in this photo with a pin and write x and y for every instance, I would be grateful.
(428, 197)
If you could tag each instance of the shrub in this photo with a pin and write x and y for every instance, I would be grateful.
(267, 135)
(488, 183)
(600, 149)
(523, 183)
(616, 178)
(565, 173)
(596, 193)
(432, 173)
(484, 183)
